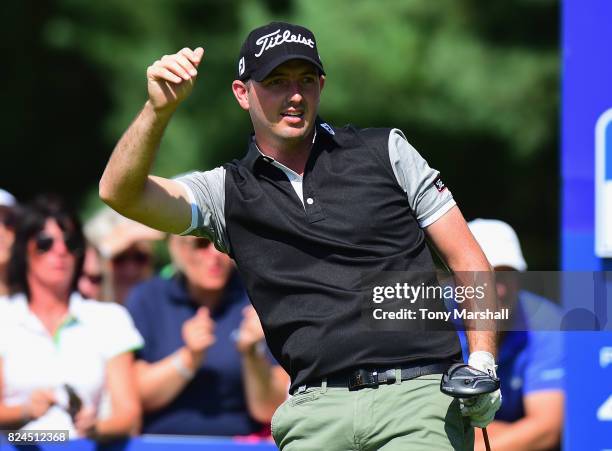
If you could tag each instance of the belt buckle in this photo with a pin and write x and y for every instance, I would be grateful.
(362, 379)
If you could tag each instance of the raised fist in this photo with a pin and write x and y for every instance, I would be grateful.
(170, 79)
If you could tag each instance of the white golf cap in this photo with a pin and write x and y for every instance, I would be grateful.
(7, 199)
(113, 233)
(499, 243)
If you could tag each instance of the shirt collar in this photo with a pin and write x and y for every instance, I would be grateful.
(24, 316)
(76, 306)
(322, 131)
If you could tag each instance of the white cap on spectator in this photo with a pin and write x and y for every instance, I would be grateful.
(499, 242)
(7, 199)
(113, 233)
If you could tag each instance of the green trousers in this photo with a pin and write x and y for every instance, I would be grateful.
(408, 415)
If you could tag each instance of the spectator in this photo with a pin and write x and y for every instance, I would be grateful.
(7, 219)
(202, 370)
(127, 248)
(92, 277)
(530, 360)
(58, 350)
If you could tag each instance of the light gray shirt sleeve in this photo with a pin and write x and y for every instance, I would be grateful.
(206, 193)
(427, 195)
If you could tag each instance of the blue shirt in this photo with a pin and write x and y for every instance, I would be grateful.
(213, 402)
(530, 358)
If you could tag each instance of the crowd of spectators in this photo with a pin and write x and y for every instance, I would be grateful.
(95, 341)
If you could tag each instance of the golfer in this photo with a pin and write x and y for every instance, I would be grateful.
(308, 214)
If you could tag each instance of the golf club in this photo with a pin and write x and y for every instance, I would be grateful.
(463, 381)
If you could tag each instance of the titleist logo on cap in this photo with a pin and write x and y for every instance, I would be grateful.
(275, 38)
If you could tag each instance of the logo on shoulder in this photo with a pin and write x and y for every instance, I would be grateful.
(439, 184)
(325, 126)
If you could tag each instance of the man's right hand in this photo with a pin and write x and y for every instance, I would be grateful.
(198, 333)
(170, 79)
(126, 184)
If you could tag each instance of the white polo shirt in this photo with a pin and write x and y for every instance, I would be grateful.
(77, 354)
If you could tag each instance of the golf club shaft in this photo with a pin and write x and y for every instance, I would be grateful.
(486, 439)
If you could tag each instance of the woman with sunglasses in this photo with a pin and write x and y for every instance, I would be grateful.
(58, 351)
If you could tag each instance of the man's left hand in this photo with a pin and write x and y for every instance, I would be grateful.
(481, 409)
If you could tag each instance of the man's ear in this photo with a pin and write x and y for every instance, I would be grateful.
(240, 90)
(321, 82)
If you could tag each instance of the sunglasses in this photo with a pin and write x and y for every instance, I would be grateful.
(44, 243)
(138, 257)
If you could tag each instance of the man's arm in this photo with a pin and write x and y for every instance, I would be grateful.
(265, 385)
(457, 246)
(539, 429)
(436, 211)
(126, 185)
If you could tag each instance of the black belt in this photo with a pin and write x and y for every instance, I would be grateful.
(364, 378)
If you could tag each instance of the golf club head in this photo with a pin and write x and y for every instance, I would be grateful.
(463, 381)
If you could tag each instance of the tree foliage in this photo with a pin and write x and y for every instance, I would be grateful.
(473, 84)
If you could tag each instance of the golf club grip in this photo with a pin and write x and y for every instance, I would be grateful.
(486, 439)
